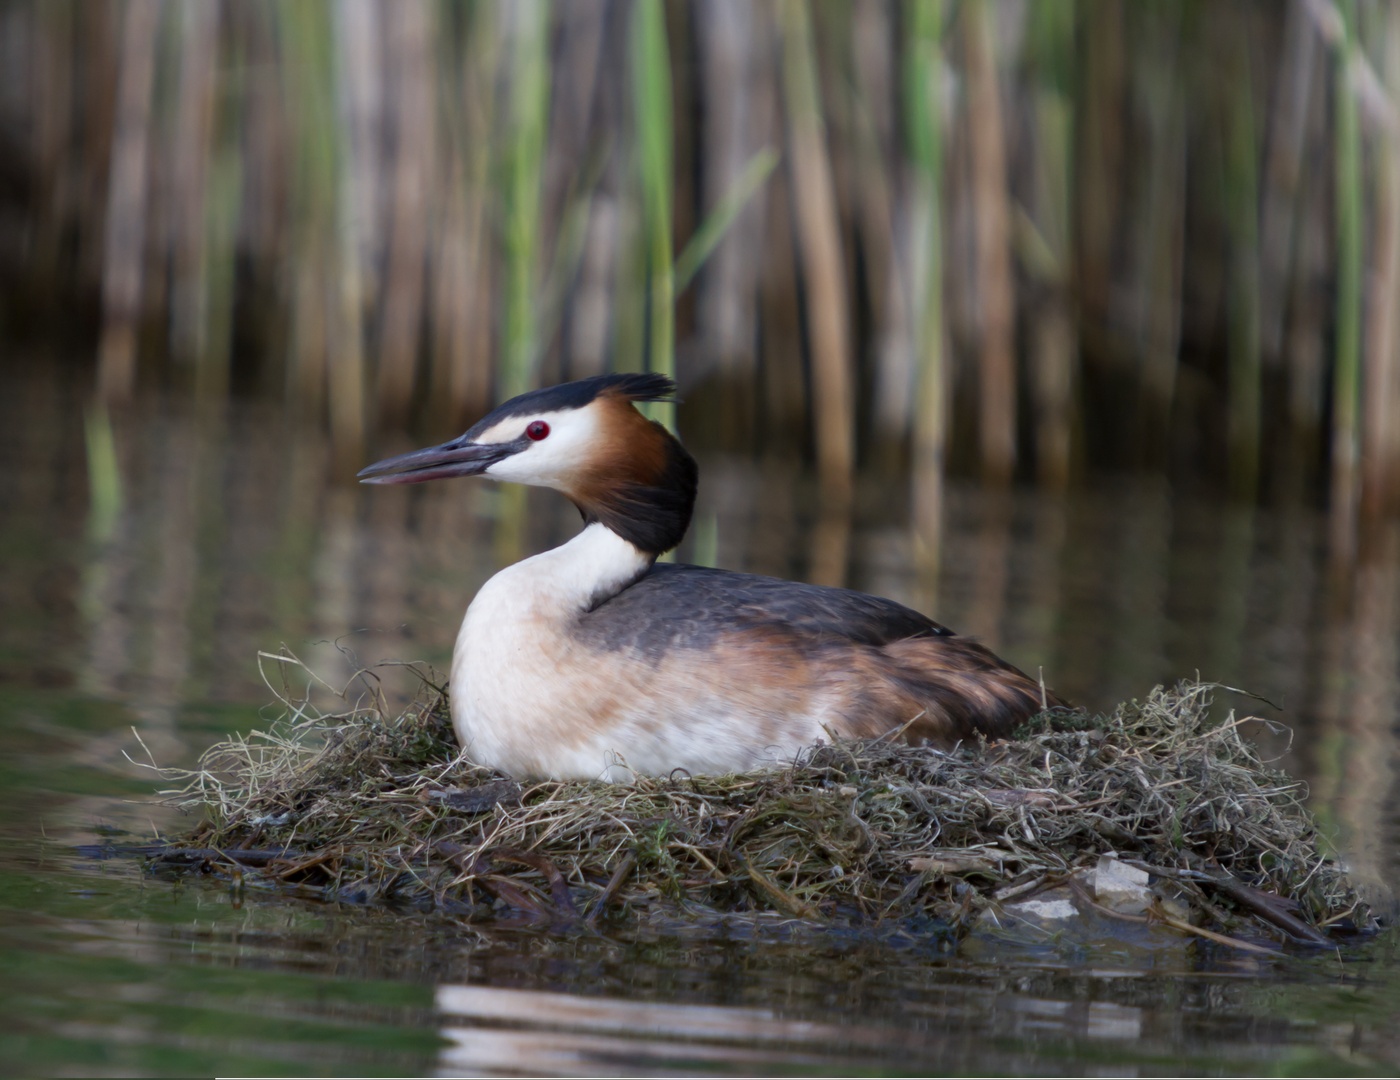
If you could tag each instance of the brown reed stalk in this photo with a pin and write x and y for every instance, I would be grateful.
(831, 547)
(361, 27)
(225, 208)
(785, 420)
(1380, 428)
(449, 299)
(97, 66)
(326, 347)
(340, 268)
(527, 28)
(1346, 366)
(128, 182)
(1162, 318)
(459, 382)
(1388, 443)
(823, 266)
(629, 276)
(874, 167)
(1098, 168)
(591, 311)
(1293, 90)
(1242, 205)
(995, 284)
(51, 103)
(157, 276)
(1378, 371)
(578, 56)
(414, 124)
(1306, 341)
(263, 226)
(1054, 335)
(735, 42)
(575, 157)
(193, 147)
(463, 295)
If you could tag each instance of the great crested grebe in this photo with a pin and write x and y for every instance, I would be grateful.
(593, 660)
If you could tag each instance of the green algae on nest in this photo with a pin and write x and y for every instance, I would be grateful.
(365, 807)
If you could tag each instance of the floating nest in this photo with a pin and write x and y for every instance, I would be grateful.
(371, 808)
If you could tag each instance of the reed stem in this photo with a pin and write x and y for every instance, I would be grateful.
(651, 106)
(1054, 335)
(1242, 201)
(527, 23)
(409, 27)
(819, 243)
(995, 285)
(922, 64)
(1347, 362)
(1380, 426)
(123, 260)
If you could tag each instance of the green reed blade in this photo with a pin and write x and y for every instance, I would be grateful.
(651, 103)
(567, 254)
(304, 36)
(105, 497)
(712, 230)
(923, 108)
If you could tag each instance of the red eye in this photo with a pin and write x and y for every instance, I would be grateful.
(537, 431)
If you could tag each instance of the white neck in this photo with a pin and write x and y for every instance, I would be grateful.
(575, 577)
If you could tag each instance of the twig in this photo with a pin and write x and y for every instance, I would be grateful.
(1157, 915)
(620, 875)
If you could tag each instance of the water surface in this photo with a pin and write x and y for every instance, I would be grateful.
(140, 601)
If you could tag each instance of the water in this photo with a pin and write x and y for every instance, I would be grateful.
(143, 603)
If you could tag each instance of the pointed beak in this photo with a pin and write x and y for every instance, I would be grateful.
(455, 458)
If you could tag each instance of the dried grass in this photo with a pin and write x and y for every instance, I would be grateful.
(366, 807)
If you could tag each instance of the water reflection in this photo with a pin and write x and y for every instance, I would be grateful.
(1358, 711)
(104, 979)
(154, 979)
(554, 1033)
(584, 1036)
(861, 1011)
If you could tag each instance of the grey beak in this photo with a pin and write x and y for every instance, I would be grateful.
(455, 458)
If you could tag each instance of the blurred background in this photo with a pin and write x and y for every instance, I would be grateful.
(1073, 322)
(1029, 238)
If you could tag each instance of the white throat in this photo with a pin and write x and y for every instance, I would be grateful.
(566, 581)
(516, 640)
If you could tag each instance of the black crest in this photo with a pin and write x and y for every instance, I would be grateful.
(575, 395)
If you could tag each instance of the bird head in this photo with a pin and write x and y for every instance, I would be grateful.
(585, 439)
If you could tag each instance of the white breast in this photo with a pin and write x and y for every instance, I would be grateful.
(512, 693)
(529, 698)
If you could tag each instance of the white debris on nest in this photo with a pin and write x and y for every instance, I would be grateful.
(1120, 887)
(1044, 909)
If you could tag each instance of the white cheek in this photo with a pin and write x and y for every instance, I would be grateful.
(555, 460)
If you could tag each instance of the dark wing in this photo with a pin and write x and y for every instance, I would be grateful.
(889, 666)
(679, 606)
